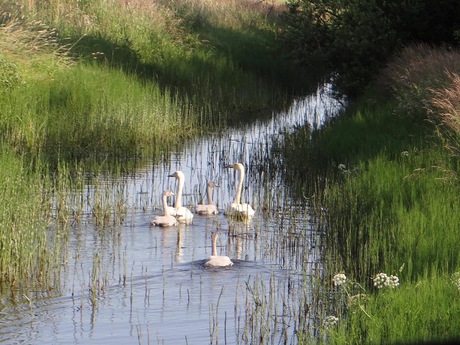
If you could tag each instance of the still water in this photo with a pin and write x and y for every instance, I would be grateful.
(132, 283)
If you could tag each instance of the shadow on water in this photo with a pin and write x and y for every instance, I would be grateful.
(128, 282)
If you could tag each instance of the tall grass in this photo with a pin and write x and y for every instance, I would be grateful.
(425, 82)
(147, 71)
(388, 214)
(27, 256)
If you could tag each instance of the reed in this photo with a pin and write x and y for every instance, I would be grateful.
(27, 258)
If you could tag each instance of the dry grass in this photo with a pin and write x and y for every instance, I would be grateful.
(445, 104)
(426, 84)
(421, 65)
(31, 40)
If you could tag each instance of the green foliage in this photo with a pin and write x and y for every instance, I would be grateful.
(426, 310)
(354, 39)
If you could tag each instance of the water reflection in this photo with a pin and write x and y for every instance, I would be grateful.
(129, 282)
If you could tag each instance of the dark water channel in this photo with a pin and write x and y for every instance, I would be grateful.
(137, 284)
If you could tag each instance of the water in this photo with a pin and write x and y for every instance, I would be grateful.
(132, 283)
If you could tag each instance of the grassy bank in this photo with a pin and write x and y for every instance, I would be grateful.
(388, 199)
(111, 77)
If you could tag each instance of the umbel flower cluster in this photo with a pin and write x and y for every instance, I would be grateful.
(330, 321)
(382, 280)
(456, 279)
(339, 279)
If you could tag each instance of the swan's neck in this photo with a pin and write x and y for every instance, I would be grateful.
(214, 245)
(209, 195)
(237, 199)
(180, 186)
(165, 205)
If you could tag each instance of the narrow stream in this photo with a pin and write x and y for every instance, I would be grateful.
(134, 283)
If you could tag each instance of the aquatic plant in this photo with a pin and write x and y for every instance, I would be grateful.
(30, 254)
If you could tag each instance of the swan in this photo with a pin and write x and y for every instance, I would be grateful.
(236, 208)
(210, 207)
(182, 214)
(217, 260)
(166, 219)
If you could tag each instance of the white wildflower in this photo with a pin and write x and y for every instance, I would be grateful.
(456, 279)
(405, 153)
(393, 281)
(330, 321)
(381, 280)
(339, 279)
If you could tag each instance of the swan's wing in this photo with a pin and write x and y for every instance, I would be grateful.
(172, 211)
(218, 261)
(164, 221)
(184, 212)
(206, 209)
(247, 209)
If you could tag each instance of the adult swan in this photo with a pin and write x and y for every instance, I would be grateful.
(182, 214)
(236, 208)
(217, 260)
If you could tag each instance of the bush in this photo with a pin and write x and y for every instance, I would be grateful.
(354, 38)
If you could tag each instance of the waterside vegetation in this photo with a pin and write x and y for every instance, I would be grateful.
(97, 79)
(383, 181)
(93, 81)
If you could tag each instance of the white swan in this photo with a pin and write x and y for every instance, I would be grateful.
(166, 219)
(209, 208)
(182, 213)
(236, 208)
(217, 260)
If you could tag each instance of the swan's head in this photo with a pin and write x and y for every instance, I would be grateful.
(177, 174)
(212, 184)
(237, 166)
(167, 192)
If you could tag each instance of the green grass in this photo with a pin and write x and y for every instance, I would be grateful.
(384, 190)
(427, 310)
(27, 258)
(120, 79)
(387, 213)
